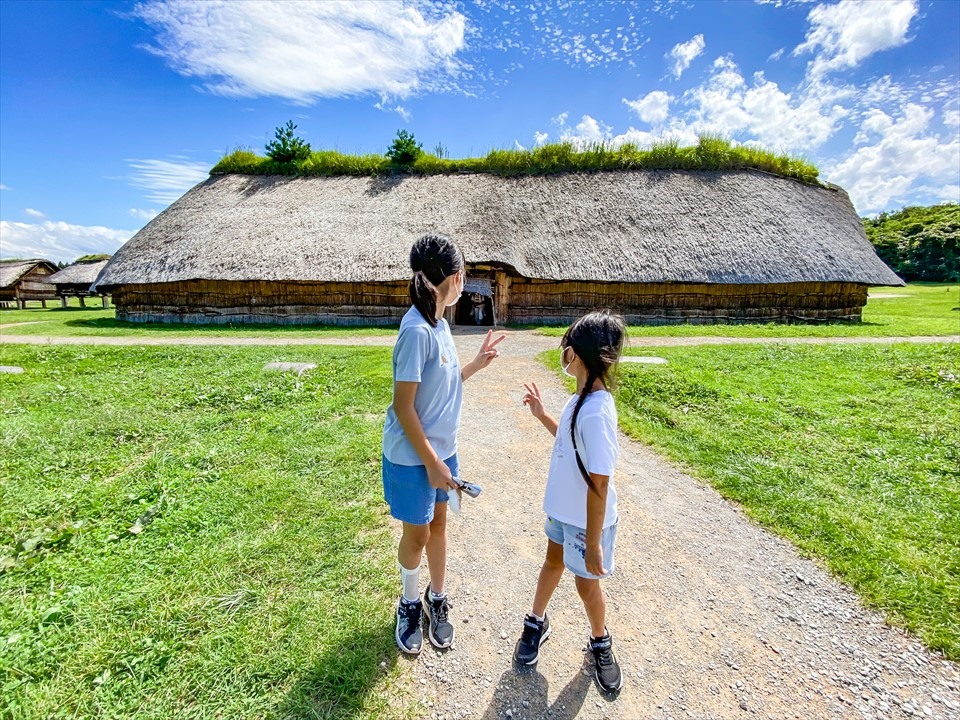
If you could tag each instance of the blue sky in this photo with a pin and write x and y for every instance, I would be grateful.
(110, 111)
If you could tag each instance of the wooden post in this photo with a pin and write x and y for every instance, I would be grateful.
(43, 303)
(106, 301)
(63, 301)
(501, 298)
(81, 300)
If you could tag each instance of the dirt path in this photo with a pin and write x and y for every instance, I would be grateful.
(712, 616)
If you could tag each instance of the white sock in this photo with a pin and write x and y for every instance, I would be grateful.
(411, 583)
(537, 617)
(436, 596)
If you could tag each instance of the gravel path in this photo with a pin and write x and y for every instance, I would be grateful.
(712, 616)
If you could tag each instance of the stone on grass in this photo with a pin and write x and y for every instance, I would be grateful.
(12, 369)
(644, 359)
(298, 368)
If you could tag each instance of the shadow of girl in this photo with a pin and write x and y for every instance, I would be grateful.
(528, 685)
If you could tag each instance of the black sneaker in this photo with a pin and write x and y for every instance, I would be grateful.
(605, 664)
(534, 633)
(439, 628)
(409, 635)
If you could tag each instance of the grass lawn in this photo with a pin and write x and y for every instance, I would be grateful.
(183, 534)
(918, 309)
(852, 452)
(77, 321)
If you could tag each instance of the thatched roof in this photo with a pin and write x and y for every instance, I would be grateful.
(78, 274)
(631, 226)
(12, 270)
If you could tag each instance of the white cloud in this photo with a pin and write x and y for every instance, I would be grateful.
(58, 241)
(653, 108)
(776, 55)
(33, 213)
(951, 117)
(166, 181)
(142, 214)
(843, 35)
(684, 53)
(588, 131)
(302, 51)
(539, 138)
(560, 119)
(4, 187)
(903, 152)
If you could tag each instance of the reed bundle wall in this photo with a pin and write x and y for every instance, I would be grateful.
(518, 300)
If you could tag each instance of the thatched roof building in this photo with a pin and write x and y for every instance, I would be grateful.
(77, 279)
(23, 280)
(660, 246)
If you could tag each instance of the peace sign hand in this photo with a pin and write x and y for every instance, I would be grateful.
(533, 400)
(488, 350)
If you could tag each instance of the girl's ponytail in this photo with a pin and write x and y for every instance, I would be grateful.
(587, 389)
(433, 258)
(423, 295)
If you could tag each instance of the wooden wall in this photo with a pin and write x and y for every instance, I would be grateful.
(517, 300)
(261, 302)
(549, 302)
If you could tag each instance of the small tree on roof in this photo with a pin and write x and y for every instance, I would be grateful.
(404, 150)
(287, 147)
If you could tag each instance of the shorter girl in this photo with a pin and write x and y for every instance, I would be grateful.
(580, 500)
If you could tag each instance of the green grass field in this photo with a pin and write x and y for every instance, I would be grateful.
(98, 322)
(261, 582)
(918, 309)
(852, 452)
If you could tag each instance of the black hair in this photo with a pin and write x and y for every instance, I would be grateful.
(597, 339)
(433, 258)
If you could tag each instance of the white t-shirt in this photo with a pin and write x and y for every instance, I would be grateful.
(426, 355)
(565, 498)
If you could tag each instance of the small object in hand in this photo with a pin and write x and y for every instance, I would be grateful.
(469, 488)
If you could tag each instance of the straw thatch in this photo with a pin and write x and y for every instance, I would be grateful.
(638, 228)
(78, 275)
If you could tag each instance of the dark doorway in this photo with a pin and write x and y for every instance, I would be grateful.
(474, 309)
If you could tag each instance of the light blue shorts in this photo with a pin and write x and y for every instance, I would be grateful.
(574, 541)
(408, 492)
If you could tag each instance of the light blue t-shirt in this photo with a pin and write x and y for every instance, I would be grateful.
(426, 355)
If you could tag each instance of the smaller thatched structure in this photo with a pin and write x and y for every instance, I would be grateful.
(77, 281)
(25, 280)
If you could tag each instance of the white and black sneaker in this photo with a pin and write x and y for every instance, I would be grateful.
(605, 664)
(535, 632)
(439, 628)
(408, 633)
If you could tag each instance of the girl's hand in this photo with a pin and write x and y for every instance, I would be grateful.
(488, 350)
(532, 399)
(593, 559)
(439, 476)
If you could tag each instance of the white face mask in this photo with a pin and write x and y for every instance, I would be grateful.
(566, 367)
(458, 286)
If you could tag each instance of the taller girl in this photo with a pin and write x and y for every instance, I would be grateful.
(420, 435)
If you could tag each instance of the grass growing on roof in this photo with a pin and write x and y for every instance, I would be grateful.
(261, 582)
(710, 153)
(852, 452)
(918, 309)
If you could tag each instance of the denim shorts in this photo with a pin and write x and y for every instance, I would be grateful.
(408, 492)
(574, 541)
